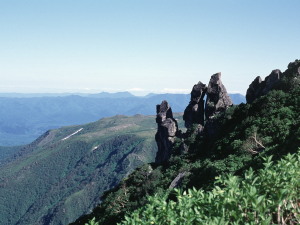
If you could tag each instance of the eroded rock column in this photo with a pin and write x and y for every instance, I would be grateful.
(167, 128)
(217, 102)
(194, 112)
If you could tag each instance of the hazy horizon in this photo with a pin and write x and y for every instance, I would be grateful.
(137, 94)
(143, 46)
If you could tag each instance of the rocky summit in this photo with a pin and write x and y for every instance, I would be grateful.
(217, 102)
(218, 99)
(194, 112)
(167, 128)
(259, 87)
(203, 121)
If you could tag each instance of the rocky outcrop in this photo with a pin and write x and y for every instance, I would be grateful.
(218, 99)
(217, 102)
(254, 91)
(271, 81)
(205, 120)
(167, 128)
(294, 67)
(194, 112)
(259, 87)
(176, 183)
(291, 77)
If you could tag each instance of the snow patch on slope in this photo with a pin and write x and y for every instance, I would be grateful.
(72, 134)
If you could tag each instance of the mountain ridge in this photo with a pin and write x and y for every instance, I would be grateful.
(22, 120)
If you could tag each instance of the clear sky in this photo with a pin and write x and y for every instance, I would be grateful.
(143, 45)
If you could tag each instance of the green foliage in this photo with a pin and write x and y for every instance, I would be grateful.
(274, 118)
(92, 222)
(55, 180)
(269, 196)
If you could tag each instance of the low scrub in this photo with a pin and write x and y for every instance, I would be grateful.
(269, 196)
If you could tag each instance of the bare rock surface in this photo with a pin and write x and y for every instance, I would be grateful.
(217, 102)
(218, 99)
(194, 112)
(167, 128)
(259, 87)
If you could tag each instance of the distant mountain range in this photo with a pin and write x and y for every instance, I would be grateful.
(24, 117)
(97, 95)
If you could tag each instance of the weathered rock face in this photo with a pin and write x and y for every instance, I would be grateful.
(205, 119)
(167, 128)
(294, 67)
(272, 80)
(218, 99)
(194, 112)
(259, 88)
(254, 90)
(292, 75)
(217, 102)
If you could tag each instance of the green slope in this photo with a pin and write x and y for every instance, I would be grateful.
(272, 120)
(7, 152)
(62, 174)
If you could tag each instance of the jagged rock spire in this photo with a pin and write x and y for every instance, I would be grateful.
(217, 101)
(194, 112)
(167, 128)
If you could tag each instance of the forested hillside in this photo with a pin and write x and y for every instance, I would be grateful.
(234, 176)
(6, 152)
(62, 174)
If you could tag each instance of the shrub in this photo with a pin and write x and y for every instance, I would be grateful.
(270, 196)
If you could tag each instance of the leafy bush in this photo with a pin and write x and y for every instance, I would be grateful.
(92, 222)
(269, 196)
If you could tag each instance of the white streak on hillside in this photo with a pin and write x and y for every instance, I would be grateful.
(95, 148)
(72, 134)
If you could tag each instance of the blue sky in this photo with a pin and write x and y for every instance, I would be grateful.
(143, 45)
